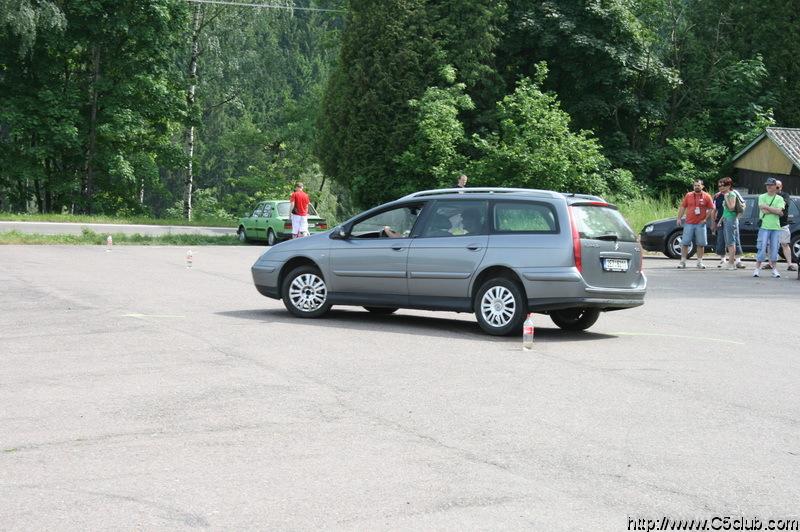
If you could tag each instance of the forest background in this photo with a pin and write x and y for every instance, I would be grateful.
(171, 108)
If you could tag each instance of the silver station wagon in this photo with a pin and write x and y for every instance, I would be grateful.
(499, 253)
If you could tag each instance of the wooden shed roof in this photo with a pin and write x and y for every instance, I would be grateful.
(787, 139)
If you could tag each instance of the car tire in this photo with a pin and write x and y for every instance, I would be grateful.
(242, 235)
(385, 311)
(500, 306)
(672, 248)
(794, 247)
(575, 319)
(271, 239)
(305, 293)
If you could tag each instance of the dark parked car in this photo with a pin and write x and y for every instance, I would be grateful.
(665, 235)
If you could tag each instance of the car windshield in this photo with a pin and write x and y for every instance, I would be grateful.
(599, 222)
(283, 209)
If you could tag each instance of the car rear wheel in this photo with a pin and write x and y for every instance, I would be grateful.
(242, 234)
(500, 307)
(673, 246)
(271, 240)
(382, 310)
(575, 319)
(305, 293)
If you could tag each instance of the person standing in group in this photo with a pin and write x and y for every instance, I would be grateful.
(298, 206)
(785, 236)
(698, 207)
(720, 247)
(462, 181)
(770, 206)
(729, 223)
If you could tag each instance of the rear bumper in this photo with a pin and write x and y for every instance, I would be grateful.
(541, 305)
(556, 290)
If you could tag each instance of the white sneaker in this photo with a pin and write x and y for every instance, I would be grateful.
(722, 263)
(756, 272)
(775, 273)
(700, 265)
(740, 264)
(681, 265)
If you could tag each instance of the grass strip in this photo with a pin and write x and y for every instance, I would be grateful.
(639, 212)
(90, 238)
(100, 219)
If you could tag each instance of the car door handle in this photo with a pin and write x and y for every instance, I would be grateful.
(473, 247)
(398, 248)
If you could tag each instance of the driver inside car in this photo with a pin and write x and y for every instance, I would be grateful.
(388, 231)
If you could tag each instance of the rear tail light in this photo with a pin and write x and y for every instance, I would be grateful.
(576, 241)
(287, 225)
(322, 224)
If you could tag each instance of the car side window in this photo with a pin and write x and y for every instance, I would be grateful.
(258, 212)
(400, 222)
(524, 217)
(751, 207)
(267, 211)
(456, 218)
(794, 211)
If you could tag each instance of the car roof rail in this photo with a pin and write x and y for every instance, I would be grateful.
(589, 197)
(478, 190)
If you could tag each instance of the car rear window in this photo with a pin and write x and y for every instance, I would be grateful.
(283, 209)
(597, 222)
(524, 217)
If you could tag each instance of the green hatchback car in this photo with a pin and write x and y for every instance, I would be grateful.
(270, 221)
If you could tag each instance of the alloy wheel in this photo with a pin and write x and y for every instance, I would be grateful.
(498, 306)
(308, 292)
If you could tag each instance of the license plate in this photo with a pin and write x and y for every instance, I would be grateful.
(615, 265)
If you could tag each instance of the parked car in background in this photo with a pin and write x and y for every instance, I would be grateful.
(271, 221)
(664, 236)
(499, 253)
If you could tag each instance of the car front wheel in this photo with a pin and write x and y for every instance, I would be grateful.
(673, 246)
(500, 306)
(242, 234)
(795, 248)
(575, 319)
(305, 293)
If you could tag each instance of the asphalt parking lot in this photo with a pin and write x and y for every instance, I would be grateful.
(139, 394)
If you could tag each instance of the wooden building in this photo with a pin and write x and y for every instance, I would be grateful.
(775, 153)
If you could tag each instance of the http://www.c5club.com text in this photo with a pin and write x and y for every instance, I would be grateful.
(726, 523)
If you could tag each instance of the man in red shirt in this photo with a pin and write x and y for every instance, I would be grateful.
(298, 206)
(699, 209)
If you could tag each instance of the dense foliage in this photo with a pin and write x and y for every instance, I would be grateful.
(126, 106)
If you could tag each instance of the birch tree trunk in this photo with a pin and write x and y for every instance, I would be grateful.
(188, 182)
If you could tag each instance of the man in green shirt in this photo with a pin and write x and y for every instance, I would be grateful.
(770, 207)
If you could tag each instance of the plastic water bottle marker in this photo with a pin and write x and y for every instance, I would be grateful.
(109, 243)
(189, 258)
(527, 333)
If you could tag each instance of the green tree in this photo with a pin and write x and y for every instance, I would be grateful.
(601, 66)
(387, 59)
(435, 155)
(89, 110)
(535, 148)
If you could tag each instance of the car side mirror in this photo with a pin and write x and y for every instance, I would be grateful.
(339, 233)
